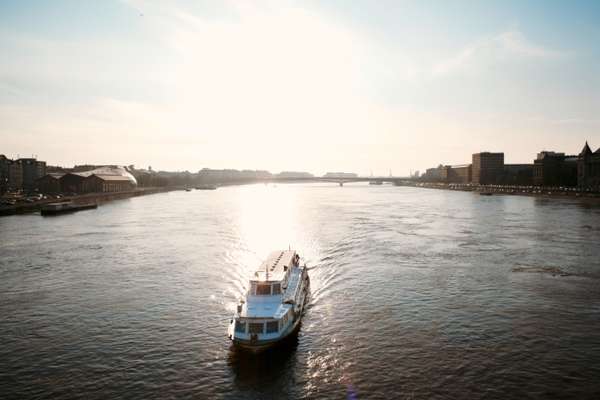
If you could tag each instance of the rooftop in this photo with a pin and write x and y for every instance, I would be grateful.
(459, 166)
(55, 175)
(543, 154)
(274, 267)
(103, 172)
(586, 149)
(265, 307)
(118, 178)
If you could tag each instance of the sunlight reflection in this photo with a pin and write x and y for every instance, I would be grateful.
(268, 220)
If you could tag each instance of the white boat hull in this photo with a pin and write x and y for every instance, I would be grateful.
(258, 346)
(274, 304)
(262, 345)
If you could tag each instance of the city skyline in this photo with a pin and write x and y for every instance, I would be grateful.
(296, 86)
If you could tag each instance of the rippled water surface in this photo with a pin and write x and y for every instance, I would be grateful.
(416, 294)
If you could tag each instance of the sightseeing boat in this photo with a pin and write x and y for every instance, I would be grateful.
(273, 306)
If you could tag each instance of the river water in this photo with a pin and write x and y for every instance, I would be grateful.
(416, 294)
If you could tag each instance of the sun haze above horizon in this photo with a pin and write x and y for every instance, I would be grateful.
(297, 85)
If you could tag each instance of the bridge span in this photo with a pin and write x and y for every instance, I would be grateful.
(340, 181)
(395, 180)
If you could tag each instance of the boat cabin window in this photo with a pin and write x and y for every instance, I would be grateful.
(277, 288)
(272, 326)
(240, 327)
(263, 289)
(256, 327)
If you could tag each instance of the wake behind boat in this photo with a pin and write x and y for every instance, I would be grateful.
(274, 303)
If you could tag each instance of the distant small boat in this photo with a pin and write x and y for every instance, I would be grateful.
(188, 189)
(206, 187)
(485, 193)
(65, 207)
(376, 182)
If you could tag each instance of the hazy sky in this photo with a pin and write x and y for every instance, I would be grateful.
(297, 85)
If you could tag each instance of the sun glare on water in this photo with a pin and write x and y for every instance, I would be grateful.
(268, 220)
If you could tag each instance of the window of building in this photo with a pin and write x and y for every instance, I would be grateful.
(277, 288)
(240, 327)
(263, 289)
(256, 327)
(272, 327)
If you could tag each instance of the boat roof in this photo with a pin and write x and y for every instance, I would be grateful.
(267, 307)
(272, 269)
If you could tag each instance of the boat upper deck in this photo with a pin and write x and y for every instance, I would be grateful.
(266, 307)
(274, 268)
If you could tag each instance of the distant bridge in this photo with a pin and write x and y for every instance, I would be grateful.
(396, 180)
(340, 181)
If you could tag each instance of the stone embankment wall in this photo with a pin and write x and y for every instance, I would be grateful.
(98, 198)
(508, 189)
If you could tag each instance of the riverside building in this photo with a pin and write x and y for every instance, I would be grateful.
(554, 169)
(50, 183)
(20, 174)
(487, 168)
(99, 180)
(517, 174)
(3, 174)
(588, 168)
(455, 173)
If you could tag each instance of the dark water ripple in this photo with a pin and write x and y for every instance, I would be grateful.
(415, 294)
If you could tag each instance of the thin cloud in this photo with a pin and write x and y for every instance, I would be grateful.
(511, 43)
(577, 121)
(515, 42)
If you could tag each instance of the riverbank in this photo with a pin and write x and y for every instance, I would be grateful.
(98, 198)
(514, 190)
